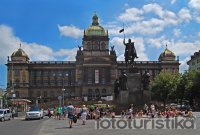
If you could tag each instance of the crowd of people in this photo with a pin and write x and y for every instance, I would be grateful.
(153, 111)
(72, 113)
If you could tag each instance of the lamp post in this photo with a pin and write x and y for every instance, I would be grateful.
(63, 90)
(37, 100)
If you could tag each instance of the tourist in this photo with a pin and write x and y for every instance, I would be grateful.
(49, 112)
(70, 111)
(123, 113)
(55, 112)
(84, 114)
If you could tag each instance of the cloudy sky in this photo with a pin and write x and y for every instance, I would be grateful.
(51, 30)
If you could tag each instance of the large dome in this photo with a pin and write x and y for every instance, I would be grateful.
(19, 53)
(95, 29)
(167, 55)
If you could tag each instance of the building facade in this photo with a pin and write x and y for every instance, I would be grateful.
(92, 75)
(194, 62)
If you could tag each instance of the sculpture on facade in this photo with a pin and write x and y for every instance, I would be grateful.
(146, 80)
(123, 81)
(116, 88)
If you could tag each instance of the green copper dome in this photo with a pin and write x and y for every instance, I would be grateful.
(95, 29)
(19, 53)
(167, 55)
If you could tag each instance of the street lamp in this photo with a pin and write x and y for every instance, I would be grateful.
(63, 90)
(40, 97)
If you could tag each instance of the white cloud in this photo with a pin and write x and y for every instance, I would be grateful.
(150, 27)
(153, 8)
(177, 32)
(173, 1)
(8, 42)
(131, 14)
(197, 19)
(36, 52)
(195, 4)
(184, 15)
(70, 31)
(157, 42)
(184, 48)
(143, 20)
(184, 65)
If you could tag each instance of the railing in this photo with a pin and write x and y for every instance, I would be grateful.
(140, 62)
(52, 62)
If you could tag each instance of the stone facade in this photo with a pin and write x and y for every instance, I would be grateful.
(194, 62)
(92, 74)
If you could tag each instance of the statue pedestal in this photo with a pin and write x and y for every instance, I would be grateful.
(146, 96)
(134, 88)
(123, 97)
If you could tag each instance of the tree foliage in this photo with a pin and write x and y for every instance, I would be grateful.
(177, 87)
(163, 87)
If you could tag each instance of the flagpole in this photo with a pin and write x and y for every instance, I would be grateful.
(124, 30)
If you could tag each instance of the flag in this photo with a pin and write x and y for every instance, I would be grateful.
(121, 30)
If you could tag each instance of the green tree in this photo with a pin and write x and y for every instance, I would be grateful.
(182, 87)
(163, 87)
(189, 86)
(195, 88)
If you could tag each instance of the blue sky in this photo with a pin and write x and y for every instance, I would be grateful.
(52, 29)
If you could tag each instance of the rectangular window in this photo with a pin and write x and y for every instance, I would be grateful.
(17, 72)
(89, 75)
(96, 76)
(45, 82)
(38, 94)
(45, 73)
(38, 73)
(45, 93)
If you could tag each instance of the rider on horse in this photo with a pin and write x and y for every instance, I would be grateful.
(130, 52)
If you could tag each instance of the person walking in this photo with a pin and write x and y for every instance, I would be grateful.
(84, 114)
(49, 112)
(70, 111)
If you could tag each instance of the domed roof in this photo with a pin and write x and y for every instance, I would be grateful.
(19, 53)
(167, 55)
(95, 29)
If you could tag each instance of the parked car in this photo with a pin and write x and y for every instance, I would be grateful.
(34, 113)
(5, 114)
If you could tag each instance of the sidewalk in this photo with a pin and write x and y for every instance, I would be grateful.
(61, 127)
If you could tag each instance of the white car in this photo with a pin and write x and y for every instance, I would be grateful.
(5, 114)
(34, 113)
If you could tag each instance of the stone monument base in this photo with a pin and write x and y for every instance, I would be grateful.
(123, 97)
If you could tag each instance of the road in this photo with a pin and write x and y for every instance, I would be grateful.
(21, 127)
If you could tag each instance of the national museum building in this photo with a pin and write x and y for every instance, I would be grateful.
(92, 75)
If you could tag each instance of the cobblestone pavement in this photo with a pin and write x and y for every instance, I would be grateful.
(61, 127)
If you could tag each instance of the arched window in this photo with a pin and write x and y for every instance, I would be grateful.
(95, 45)
(103, 46)
(90, 91)
(103, 92)
(88, 46)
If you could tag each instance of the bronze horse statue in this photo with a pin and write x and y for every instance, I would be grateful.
(130, 52)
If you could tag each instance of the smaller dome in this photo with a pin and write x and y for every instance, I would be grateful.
(167, 55)
(19, 53)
